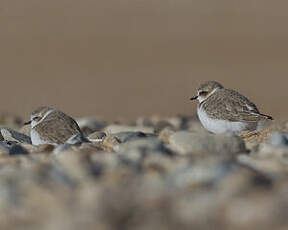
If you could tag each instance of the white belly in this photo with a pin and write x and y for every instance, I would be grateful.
(221, 126)
(36, 139)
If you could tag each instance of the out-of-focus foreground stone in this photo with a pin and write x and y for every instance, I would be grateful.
(178, 177)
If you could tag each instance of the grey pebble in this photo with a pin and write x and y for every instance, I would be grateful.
(12, 135)
(129, 136)
(185, 142)
(12, 148)
(278, 139)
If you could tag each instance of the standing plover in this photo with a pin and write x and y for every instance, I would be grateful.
(51, 126)
(223, 110)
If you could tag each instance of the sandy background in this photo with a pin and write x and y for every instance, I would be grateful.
(126, 58)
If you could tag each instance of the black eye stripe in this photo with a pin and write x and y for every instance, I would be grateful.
(203, 93)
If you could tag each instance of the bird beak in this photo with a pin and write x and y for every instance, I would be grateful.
(27, 123)
(194, 98)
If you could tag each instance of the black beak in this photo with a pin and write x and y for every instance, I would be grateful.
(194, 98)
(27, 123)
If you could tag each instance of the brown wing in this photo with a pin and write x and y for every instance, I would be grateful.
(233, 107)
(58, 127)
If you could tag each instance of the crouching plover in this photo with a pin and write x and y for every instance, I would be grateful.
(51, 126)
(223, 110)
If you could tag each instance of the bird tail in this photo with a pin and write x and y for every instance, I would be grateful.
(266, 116)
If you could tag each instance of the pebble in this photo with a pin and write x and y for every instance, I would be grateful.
(278, 139)
(185, 142)
(161, 125)
(39, 148)
(128, 136)
(77, 139)
(164, 177)
(112, 129)
(165, 135)
(12, 148)
(96, 136)
(73, 141)
(89, 125)
(12, 135)
(111, 143)
(145, 146)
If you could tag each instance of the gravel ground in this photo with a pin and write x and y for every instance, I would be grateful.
(153, 173)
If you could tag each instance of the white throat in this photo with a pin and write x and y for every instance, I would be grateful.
(34, 123)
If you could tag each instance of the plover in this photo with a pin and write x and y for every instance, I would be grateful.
(51, 126)
(223, 110)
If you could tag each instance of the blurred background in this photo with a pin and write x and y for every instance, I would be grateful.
(129, 58)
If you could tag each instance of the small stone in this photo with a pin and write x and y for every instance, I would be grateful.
(128, 136)
(39, 148)
(4, 149)
(195, 126)
(181, 122)
(8, 148)
(62, 148)
(210, 169)
(161, 125)
(176, 122)
(264, 164)
(165, 135)
(12, 135)
(17, 150)
(111, 129)
(72, 142)
(45, 148)
(185, 142)
(136, 151)
(90, 148)
(278, 139)
(157, 164)
(110, 142)
(74, 162)
(144, 145)
(31, 148)
(96, 136)
(269, 151)
(89, 125)
(87, 148)
(77, 139)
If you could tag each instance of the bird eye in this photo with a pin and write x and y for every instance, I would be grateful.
(203, 93)
(36, 118)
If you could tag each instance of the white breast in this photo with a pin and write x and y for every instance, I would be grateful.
(36, 139)
(220, 126)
